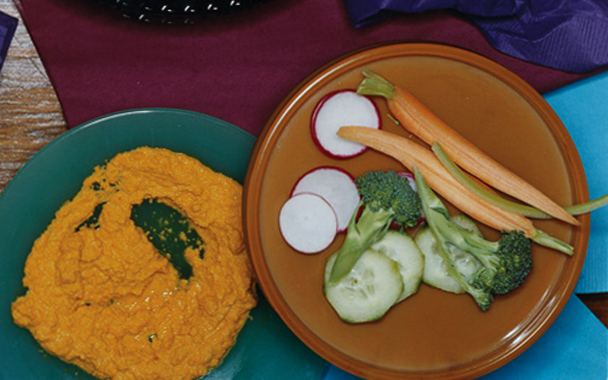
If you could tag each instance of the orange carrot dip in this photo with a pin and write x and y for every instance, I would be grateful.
(104, 299)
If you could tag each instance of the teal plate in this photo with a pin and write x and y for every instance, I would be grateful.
(265, 349)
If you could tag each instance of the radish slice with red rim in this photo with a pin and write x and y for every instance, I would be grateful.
(338, 109)
(336, 186)
(308, 223)
(410, 177)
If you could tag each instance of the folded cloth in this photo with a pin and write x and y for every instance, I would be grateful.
(582, 108)
(568, 35)
(8, 24)
(367, 12)
(575, 347)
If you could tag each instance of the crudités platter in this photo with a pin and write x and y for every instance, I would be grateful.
(55, 174)
(432, 334)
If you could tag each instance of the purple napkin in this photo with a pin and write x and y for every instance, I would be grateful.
(363, 12)
(568, 35)
(8, 24)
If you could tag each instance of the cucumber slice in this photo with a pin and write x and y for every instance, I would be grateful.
(368, 291)
(435, 272)
(400, 247)
(467, 223)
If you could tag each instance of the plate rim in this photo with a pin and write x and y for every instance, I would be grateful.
(267, 139)
(80, 128)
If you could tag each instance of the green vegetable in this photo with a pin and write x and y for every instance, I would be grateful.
(505, 204)
(401, 248)
(413, 155)
(368, 291)
(386, 198)
(435, 268)
(505, 263)
(386, 273)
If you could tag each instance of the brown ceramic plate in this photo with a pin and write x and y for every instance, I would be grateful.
(432, 334)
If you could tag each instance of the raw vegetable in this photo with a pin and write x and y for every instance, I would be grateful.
(368, 291)
(337, 109)
(410, 177)
(336, 186)
(400, 247)
(412, 155)
(386, 197)
(308, 223)
(503, 203)
(435, 268)
(419, 120)
(505, 263)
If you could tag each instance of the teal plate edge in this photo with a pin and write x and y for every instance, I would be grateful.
(265, 349)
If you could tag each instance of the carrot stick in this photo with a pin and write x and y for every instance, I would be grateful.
(413, 155)
(483, 191)
(422, 122)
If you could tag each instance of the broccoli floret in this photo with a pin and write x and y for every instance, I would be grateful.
(386, 198)
(389, 191)
(504, 264)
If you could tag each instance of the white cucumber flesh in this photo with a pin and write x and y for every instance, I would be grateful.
(400, 247)
(368, 291)
(467, 223)
(435, 272)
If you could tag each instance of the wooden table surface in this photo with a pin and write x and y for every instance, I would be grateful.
(31, 116)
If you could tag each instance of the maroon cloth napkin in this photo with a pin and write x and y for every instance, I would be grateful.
(237, 67)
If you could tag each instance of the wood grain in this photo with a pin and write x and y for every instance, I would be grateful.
(598, 304)
(31, 116)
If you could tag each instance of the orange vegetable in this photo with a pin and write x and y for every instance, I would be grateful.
(422, 122)
(413, 155)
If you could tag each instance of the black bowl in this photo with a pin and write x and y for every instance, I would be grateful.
(177, 11)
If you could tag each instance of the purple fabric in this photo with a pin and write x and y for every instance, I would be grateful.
(8, 24)
(569, 35)
(363, 12)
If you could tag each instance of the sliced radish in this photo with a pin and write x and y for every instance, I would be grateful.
(336, 186)
(308, 223)
(410, 177)
(338, 109)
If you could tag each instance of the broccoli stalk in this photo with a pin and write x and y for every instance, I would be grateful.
(386, 198)
(505, 263)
